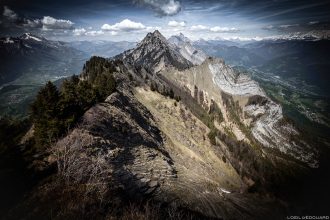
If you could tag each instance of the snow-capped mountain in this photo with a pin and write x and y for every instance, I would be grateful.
(154, 53)
(310, 35)
(37, 55)
(29, 36)
(30, 42)
(313, 35)
(184, 46)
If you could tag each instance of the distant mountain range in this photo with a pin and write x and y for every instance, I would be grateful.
(49, 59)
(29, 61)
(29, 55)
(305, 59)
(314, 35)
(252, 53)
(296, 62)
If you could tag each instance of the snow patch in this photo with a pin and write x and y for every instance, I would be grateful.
(28, 36)
(8, 41)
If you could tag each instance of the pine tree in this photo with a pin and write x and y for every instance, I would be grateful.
(44, 115)
(105, 85)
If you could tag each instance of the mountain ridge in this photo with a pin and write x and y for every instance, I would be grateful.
(205, 138)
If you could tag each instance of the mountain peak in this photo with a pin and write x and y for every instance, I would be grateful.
(155, 34)
(155, 38)
(181, 35)
(154, 53)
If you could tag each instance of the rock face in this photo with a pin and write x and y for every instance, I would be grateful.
(265, 118)
(232, 82)
(154, 53)
(183, 45)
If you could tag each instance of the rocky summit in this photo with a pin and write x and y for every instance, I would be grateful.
(155, 53)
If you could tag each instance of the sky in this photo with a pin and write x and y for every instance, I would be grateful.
(131, 20)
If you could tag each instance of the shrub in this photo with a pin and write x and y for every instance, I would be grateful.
(212, 135)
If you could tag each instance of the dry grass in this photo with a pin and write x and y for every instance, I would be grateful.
(188, 142)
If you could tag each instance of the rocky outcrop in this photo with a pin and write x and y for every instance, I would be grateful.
(232, 82)
(154, 54)
(213, 78)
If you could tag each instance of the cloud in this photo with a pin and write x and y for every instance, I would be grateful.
(176, 24)
(215, 29)
(46, 23)
(313, 22)
(124, 25)
(90, 33)
(151, 28)
(268, 27)
(294, 9)
(199, 27)
(282, 27)
(9, 14)
(31, 23)
(162, 7)
(50, 23)
(94, 33)
(79, 31)
(285, 26)
(223, 29)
